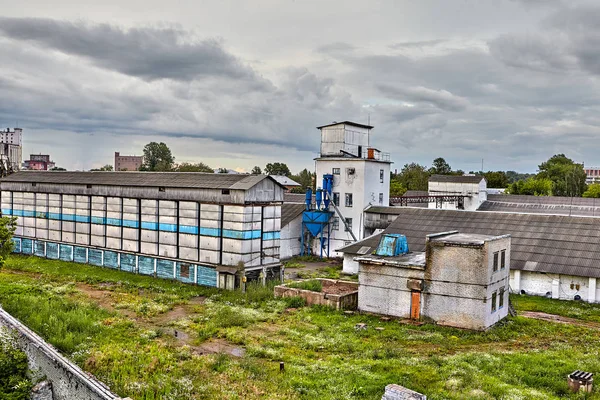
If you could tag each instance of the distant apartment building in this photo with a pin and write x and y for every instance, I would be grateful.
(11, 149)
(127, 163)
(39, 162)
(592, 175)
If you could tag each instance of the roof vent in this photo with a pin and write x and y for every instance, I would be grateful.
(392, 245)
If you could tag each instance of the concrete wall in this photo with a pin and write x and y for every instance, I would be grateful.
(383, 289)
(350, 266)
(69, 382)
(563, 287)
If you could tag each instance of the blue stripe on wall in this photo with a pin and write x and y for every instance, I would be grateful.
(153, 226)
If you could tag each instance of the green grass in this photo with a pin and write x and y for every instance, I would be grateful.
(325, 356)
(313, 285)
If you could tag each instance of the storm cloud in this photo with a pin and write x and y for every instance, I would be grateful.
(509, 81)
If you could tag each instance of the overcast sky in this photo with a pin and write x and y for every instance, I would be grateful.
(241, 83)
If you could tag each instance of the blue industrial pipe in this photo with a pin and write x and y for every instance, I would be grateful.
(308, 199)
(319, 198)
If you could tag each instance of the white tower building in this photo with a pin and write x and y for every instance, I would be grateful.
(361, 177)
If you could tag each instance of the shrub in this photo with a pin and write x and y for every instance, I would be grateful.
(14, 384)
(314, 285)
(294, 302)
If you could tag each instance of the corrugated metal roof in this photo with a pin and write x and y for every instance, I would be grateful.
(346, 123)
(289, 211)
(409, 193)
(456, 178)
(296, 198)
(543, 243)
(195, 180)
(284, 180)
(574, 206)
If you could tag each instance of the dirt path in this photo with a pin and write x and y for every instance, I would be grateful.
(559, 319)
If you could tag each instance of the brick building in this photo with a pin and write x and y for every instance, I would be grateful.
(127, 163)
(461, 280)
(39, 162)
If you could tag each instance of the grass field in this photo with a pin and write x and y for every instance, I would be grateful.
(157, 339)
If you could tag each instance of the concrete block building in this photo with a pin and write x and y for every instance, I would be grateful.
(194, 227)
(474, 188)
(461, 280)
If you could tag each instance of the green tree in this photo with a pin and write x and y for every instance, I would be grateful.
(157, 157)
(568, 177)
(397, 189)
(57, 169)
(256, 170)
(440, 167)
(514, 176)
(593, 190)
(413, 176)
(304, 178)
(532, 186)
(189, 167)
(107, 167)
(497, 179)
(277, 169)
(8, 225)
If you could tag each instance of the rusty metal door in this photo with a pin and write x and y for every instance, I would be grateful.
(415, 305)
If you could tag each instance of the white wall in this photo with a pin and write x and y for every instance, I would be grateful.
(555, 286)
(290, 238)
(365, 186)
(350, 266)
(477, 191)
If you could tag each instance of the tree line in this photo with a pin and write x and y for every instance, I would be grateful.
(558, 176)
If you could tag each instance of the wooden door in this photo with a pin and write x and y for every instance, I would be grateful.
(415, 305)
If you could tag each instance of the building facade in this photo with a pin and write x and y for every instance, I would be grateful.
(361, 177)
(198, 228)
(128, 163)
(11, 149)
(592, 175)
(473, 190)
(38, 162)
(462, 280)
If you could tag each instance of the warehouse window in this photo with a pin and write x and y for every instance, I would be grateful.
(34, 184)
(503, 259)
(335, 224)
(225, 191)
(501, 299)
(494, 302)
(348, 199)
(185, 271)
(88, 186)
(348, 224)
(336, 171)
(161, 189)
(495, 266)
(336, 199)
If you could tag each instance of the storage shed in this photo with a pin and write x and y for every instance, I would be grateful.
(194, 227)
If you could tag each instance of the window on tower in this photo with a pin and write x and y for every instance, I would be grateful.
(348, 199)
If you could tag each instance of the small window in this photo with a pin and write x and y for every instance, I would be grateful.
(336, 171)
(501, 299)
(503, 259)
(381, 175)
(348, 224)
(88, 186)
(494, 302)
(34, 184)
(348, 199)
(380, 199)
(495, 266)
(336, 199)
(335, 224)
(225, 191)
(161, 189)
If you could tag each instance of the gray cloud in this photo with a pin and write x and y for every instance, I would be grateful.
(439, 98)
(148, 53)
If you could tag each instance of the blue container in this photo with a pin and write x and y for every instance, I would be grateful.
(391, 245)
(308, 199)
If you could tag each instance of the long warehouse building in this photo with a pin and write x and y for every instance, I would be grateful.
(194, 227)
